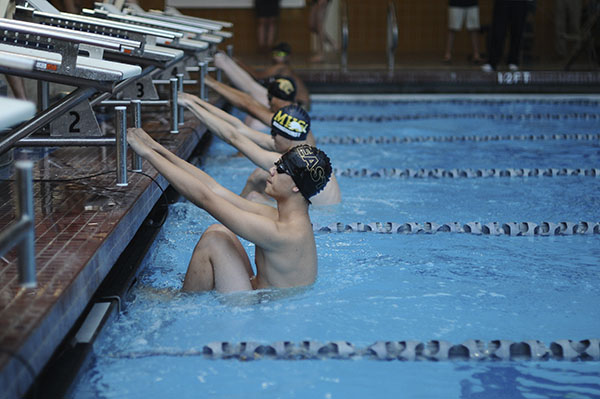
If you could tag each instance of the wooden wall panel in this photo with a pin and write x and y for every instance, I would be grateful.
(422, 28)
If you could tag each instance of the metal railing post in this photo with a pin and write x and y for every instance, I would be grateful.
(136, 160)
(203, 67)
(180, 115)
(121, 143)
(43, 95)
(25, 212)
(174, 118)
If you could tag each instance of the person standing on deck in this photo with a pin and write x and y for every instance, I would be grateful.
(286, 254)
(290, 126)
(459, 12)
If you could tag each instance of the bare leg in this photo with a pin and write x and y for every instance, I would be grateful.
(475, 42)
(256, 182)
(262, 33)
(219, 262)
(317, 26)
(271, 32)
(449, 45)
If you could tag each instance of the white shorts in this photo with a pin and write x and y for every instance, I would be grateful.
(458, 15)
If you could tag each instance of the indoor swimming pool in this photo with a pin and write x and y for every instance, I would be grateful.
(461, 220)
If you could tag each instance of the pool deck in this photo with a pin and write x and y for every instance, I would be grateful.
(418, 75)
(83, 226)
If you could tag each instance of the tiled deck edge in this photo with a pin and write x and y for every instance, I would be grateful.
(15, 379)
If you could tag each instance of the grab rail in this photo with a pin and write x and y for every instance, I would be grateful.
(392, 35)
(344, 44)
(21, 233)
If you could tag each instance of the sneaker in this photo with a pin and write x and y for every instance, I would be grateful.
(487, 68)
(513, 67)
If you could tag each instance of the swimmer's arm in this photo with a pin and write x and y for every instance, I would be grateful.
(253, 72)
(186, 99)
(242, 100)
(271, 70)
(168, 163)
(240, 78)
(261, 139)
(226, 132)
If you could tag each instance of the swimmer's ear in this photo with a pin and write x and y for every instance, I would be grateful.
(295, 189)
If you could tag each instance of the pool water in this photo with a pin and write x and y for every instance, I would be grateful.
(388, 287)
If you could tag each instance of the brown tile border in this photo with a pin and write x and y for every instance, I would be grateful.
(75, 246)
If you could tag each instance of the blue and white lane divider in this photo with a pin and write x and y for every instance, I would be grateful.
(469, 99)
(586, 116)
(435, 350)
(476, 228)
(350, 140)
(456, 173)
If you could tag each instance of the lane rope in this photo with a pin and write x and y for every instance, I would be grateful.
(468, 101)
(467, 115)
(350, 140)
(477, 228)
(455, 173)
(434, 350)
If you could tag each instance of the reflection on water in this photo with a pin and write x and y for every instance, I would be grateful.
(530, 381)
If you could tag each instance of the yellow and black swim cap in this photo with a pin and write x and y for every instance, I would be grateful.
(291, 122)
(308, 166)
(282, 87)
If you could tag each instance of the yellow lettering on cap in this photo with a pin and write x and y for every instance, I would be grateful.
(317, 173)
(280, 117)
(285, 86)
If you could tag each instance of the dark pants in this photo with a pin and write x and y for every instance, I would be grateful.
(508, 14)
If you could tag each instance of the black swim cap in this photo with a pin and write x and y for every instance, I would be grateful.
(309, 167)
(282, 87)
(282, 47)
(291, 122)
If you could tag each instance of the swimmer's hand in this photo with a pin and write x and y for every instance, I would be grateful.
(185, 99)
(221, 59)
(138, 140)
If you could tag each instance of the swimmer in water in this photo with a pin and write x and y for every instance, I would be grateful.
(289, 127)
(280, 66)
(285, 252)
(280, 91)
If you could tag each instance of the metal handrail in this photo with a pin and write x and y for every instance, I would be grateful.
(392, 35)
(344, 34)
(21, 233)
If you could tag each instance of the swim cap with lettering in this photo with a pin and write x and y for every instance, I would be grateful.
(291, 122)
(309, 167)
(282, 87)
